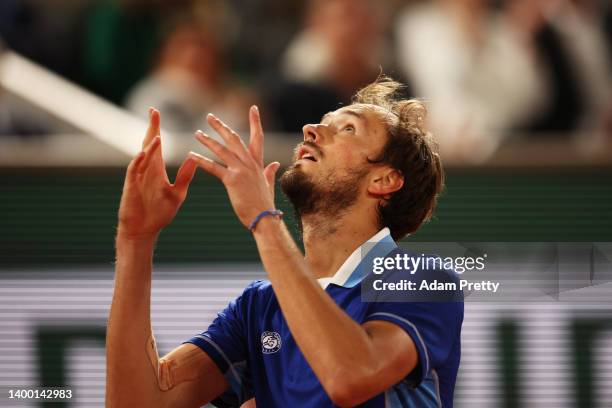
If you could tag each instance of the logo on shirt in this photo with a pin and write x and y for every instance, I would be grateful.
(270, 342)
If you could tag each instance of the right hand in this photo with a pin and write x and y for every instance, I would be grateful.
(149, 201)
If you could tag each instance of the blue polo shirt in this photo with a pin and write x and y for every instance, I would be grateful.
(252, 345)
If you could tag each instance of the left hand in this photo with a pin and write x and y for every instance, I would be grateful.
(249, 185)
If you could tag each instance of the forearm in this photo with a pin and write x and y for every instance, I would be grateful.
(335, 346)
(130, 348)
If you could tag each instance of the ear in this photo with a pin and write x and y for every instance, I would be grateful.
(385, 182)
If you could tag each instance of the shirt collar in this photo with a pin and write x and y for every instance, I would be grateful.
(354, 268)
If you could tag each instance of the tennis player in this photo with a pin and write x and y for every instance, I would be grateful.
(363, 178)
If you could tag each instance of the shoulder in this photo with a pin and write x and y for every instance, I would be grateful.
(255, 296)
(258, 290)
(259, 285)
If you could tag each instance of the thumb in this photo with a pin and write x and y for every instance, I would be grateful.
(185, 175)
(270, 175)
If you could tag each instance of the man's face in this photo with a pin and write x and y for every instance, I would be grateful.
(330, 168)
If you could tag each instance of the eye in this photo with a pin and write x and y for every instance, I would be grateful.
(349, 128)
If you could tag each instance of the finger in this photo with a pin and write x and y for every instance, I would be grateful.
(185, 174)
(270, 171)
(256, 141)
(270, 175)
(153, 130)
(222, 152)
(149, 152)
(210, 166)
(136, 162)
(233, 141)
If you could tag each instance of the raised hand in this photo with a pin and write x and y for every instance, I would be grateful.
(250, 186)
(149, 201)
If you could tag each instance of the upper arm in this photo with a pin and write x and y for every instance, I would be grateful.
(391, 356)
(433, 329)
(395, 352)
(188, 377)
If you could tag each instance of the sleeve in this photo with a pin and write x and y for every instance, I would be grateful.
(225, 343)
(434, 327)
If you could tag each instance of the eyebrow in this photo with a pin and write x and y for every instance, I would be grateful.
(351, 112)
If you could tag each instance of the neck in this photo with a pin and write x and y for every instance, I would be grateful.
(330, 239)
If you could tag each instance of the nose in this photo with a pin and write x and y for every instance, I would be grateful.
(313, 133)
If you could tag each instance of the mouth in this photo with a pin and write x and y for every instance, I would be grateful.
(306, 153)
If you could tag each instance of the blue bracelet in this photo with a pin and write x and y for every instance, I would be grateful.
(274, 213)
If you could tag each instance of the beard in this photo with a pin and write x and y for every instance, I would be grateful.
(328, 199)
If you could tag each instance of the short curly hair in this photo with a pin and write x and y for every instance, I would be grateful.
(411, 150)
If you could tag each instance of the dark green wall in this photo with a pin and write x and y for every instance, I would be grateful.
(68, 216)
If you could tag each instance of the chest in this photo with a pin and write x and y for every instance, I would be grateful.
(273, 350)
